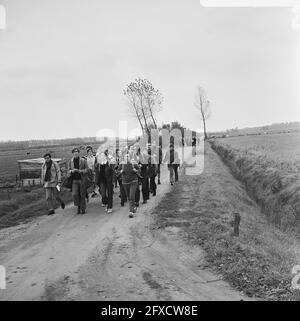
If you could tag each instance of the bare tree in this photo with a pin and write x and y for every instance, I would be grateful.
(131, 94)
(154, 99)
(145, 101)
(203, 104)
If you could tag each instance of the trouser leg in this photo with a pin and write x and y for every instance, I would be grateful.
(153, 185)
(127, 191)
(82, 197)
(137, 194)
(49, 198)
(176, 172)
(132, 192)
(171, 170)
(123, 193)
(110, 195)
(57, 195)
(76, 192)
(145, 188)
(103, 191)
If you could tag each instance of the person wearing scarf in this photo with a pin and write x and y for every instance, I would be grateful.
(51, 178)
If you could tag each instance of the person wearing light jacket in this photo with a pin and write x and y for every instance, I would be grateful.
(51, 178)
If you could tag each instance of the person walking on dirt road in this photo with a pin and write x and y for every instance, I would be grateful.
(91, 161)
(122, 194)
(173, 161)
(129, 171)
(105, 175)
(51, 179)
(78, 170)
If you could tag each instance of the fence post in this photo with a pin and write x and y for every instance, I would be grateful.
(236, 224)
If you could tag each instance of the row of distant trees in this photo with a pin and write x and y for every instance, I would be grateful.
(145, 102)
(38, 143)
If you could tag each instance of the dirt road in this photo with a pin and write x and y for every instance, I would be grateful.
(101, 256)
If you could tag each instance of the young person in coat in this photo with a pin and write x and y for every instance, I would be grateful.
(51, 178)
(78, 170)
(105, 167)
(129, 171)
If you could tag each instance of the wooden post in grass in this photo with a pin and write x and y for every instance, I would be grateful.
(236, 224)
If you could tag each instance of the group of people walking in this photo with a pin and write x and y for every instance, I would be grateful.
(133, 169)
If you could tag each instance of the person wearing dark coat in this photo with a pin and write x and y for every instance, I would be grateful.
(130, 172)
(152, 170)
(144, 160)
(78, 170)
(106, 175)
(119, 178)
(173, 161)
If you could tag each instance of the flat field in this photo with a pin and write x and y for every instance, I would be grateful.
(9, 165)
(269, 165)
(283, 149)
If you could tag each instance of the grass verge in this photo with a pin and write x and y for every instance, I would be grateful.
(25, 205)
(260, 260)
(275, 188)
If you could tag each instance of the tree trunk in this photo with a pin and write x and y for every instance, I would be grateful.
(151, 114)
(204, 124)
(143, 113)
(137, 115)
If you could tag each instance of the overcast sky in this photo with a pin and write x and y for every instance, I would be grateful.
(64, 64)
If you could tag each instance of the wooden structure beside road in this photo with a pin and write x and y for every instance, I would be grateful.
(30, 170)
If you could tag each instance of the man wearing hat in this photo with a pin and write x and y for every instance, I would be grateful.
(78, 170)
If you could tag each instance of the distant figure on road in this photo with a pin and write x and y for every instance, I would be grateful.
(173, 161)
(152, 170)
(143, 163)
(78, 170)
(51, 178)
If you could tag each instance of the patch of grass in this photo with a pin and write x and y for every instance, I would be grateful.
(276, 188)
(26, 205)
(260, 260)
